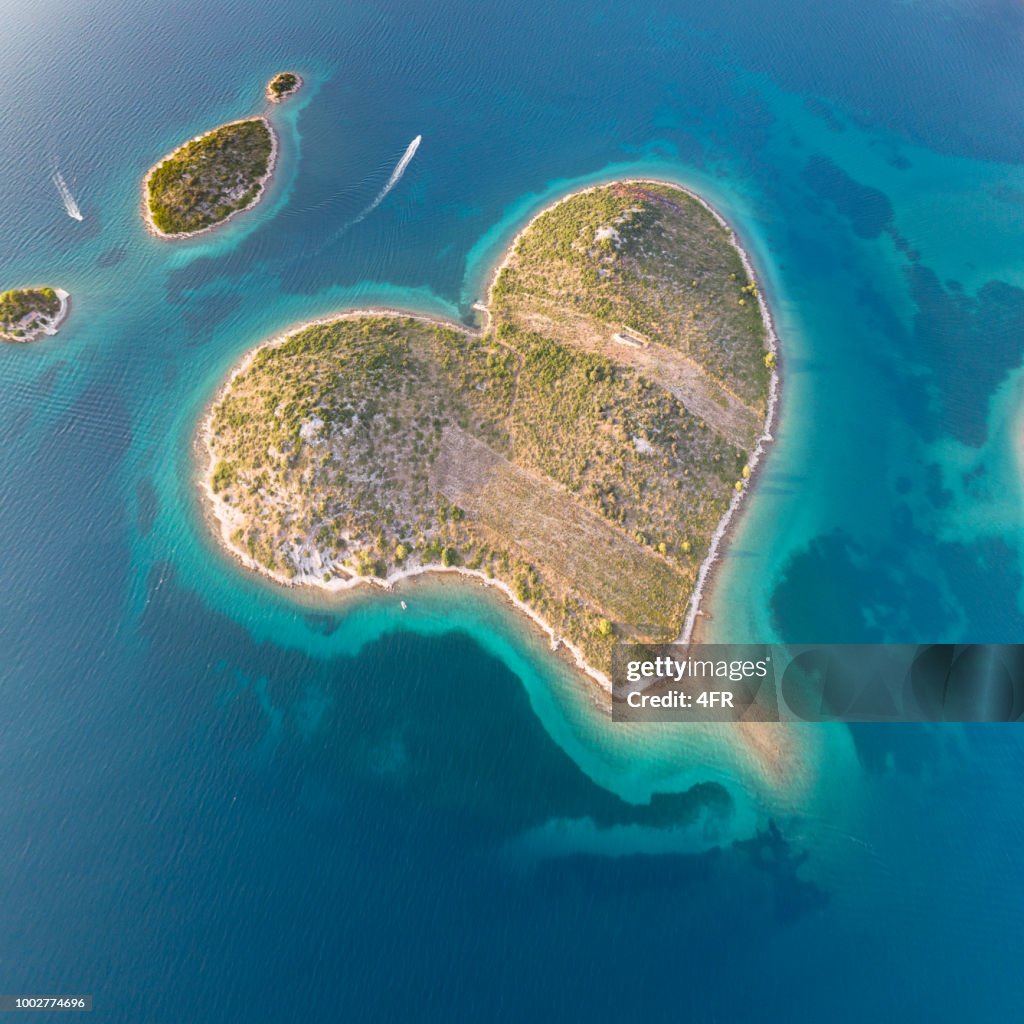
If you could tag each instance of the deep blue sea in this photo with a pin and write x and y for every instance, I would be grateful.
(220, 803)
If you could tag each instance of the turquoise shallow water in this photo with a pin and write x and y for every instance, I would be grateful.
(219, 803)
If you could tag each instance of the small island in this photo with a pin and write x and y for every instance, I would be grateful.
(27, 314)
(583, 452)
(283, 85)
(210, 179)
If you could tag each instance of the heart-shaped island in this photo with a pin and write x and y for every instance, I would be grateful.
(583, 451)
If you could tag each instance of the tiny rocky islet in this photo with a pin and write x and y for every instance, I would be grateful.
(27, 314)
(283, 85)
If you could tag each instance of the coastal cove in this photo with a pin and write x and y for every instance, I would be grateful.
(227, 520)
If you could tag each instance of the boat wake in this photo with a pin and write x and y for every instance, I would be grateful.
(65, 193)
(396, 176)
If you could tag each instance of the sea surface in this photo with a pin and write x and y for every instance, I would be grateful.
(219, 803)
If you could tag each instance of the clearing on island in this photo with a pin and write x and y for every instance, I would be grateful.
(210, 178)
(581, 450)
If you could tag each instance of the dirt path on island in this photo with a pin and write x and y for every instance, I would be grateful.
(680, 376)
(630, 583)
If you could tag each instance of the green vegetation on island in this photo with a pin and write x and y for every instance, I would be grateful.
(653, 259)
(27, 313)
(283, 85)
(207, 180)
(581, 450)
